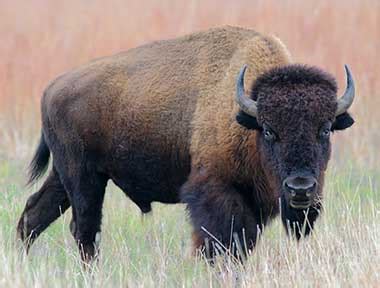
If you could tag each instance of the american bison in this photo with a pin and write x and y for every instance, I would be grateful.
(173, 121)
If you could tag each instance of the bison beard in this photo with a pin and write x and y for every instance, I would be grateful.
(299, 222)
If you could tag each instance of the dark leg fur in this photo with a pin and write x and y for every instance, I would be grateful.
(299, 223)
(86, 190)
(42, 208)
(220, 217)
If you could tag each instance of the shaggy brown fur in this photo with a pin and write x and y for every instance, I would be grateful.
(162, 116)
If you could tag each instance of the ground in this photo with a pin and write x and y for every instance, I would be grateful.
(154, 251)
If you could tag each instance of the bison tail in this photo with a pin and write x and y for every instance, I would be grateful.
(40, 161)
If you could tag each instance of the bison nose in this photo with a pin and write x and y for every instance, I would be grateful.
(300, 187)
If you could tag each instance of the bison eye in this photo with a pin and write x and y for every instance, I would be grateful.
(325, 131)
(268, 134)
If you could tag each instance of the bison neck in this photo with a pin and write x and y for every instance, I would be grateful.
(235, 162)
(248, 176)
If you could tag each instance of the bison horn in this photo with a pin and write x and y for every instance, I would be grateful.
(346, 100)
(246, 104)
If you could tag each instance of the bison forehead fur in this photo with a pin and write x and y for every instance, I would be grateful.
(160, 121)
(287, 95)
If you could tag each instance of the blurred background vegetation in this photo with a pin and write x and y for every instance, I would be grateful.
(41, 39)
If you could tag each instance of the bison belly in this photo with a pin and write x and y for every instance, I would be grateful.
(147, 176)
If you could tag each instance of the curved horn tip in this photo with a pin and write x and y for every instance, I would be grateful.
(242, 71)
(349, 75)
(240, 78)
(348, 97)
(246, 104)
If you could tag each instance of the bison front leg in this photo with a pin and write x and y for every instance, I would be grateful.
(299, 222)
(222, 221)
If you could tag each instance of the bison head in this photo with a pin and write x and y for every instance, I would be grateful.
(295, 109)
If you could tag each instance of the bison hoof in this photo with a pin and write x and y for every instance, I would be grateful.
(72, 227)
(97, 240)
(25, 234)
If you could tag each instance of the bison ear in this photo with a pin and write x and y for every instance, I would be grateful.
(247, 121)
(342, 122)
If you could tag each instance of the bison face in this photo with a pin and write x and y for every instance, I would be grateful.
(295, 109)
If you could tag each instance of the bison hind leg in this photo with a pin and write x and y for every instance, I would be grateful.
(41, 209)
(86, 189)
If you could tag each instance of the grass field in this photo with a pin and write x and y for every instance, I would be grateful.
(154, 251)
(41, 39)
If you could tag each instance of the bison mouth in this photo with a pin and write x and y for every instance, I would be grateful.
(300, 204)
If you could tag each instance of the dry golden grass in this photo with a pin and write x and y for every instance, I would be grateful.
(41, 39)
(344, 251)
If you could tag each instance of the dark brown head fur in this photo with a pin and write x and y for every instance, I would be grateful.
(296, 112)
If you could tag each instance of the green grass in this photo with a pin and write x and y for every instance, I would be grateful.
(154, 251)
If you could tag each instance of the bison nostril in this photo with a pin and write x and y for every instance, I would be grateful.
(300, 185)
(311, 190)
